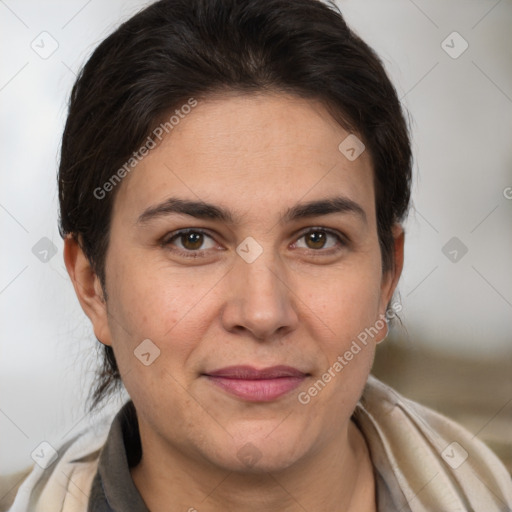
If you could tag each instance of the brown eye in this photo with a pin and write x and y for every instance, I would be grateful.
(191, 241)
(317, 239)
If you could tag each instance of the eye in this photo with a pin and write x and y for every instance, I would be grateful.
(191, 242)
(194, 243)
(317, 239)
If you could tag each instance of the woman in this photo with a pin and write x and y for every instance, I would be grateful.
(232, 184)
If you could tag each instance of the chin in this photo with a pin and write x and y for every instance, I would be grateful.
(250, 460)
(264, 453)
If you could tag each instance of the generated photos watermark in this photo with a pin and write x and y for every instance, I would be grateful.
(158, 133)
(304, 397)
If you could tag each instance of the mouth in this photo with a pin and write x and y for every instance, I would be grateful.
(253, 385)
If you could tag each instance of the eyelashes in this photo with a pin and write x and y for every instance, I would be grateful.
(194, 236)
(181, 234)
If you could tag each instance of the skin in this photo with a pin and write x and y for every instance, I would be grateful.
(300, 303)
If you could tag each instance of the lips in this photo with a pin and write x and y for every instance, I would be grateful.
(250, 373)
(253, 385)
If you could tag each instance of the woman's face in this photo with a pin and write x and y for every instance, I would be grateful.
(270, 283)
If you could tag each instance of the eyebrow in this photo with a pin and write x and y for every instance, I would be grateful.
(202, 210)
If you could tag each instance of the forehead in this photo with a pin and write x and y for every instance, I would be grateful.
(250, 152)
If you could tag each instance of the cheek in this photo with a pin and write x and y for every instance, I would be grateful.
(152, 297)
(345, 311)
(144, 305)
(347, 302)
(154, 343)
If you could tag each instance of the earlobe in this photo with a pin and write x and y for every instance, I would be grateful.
(381, 339)
(87, 288)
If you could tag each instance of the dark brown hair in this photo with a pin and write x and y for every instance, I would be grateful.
(177, 49)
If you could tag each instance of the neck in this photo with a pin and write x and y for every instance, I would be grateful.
(338, 477)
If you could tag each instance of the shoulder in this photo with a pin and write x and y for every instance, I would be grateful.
(62, 480)
(435, 460)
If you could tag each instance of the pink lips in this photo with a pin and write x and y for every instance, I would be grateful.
(255, 385)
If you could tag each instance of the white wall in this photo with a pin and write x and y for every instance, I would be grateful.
(461, 113)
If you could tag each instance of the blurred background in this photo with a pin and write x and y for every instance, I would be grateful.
(451, 63)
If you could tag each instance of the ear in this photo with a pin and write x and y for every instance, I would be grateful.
(87, 288)
(391, 277)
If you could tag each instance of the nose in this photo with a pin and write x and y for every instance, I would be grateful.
(260, 300)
